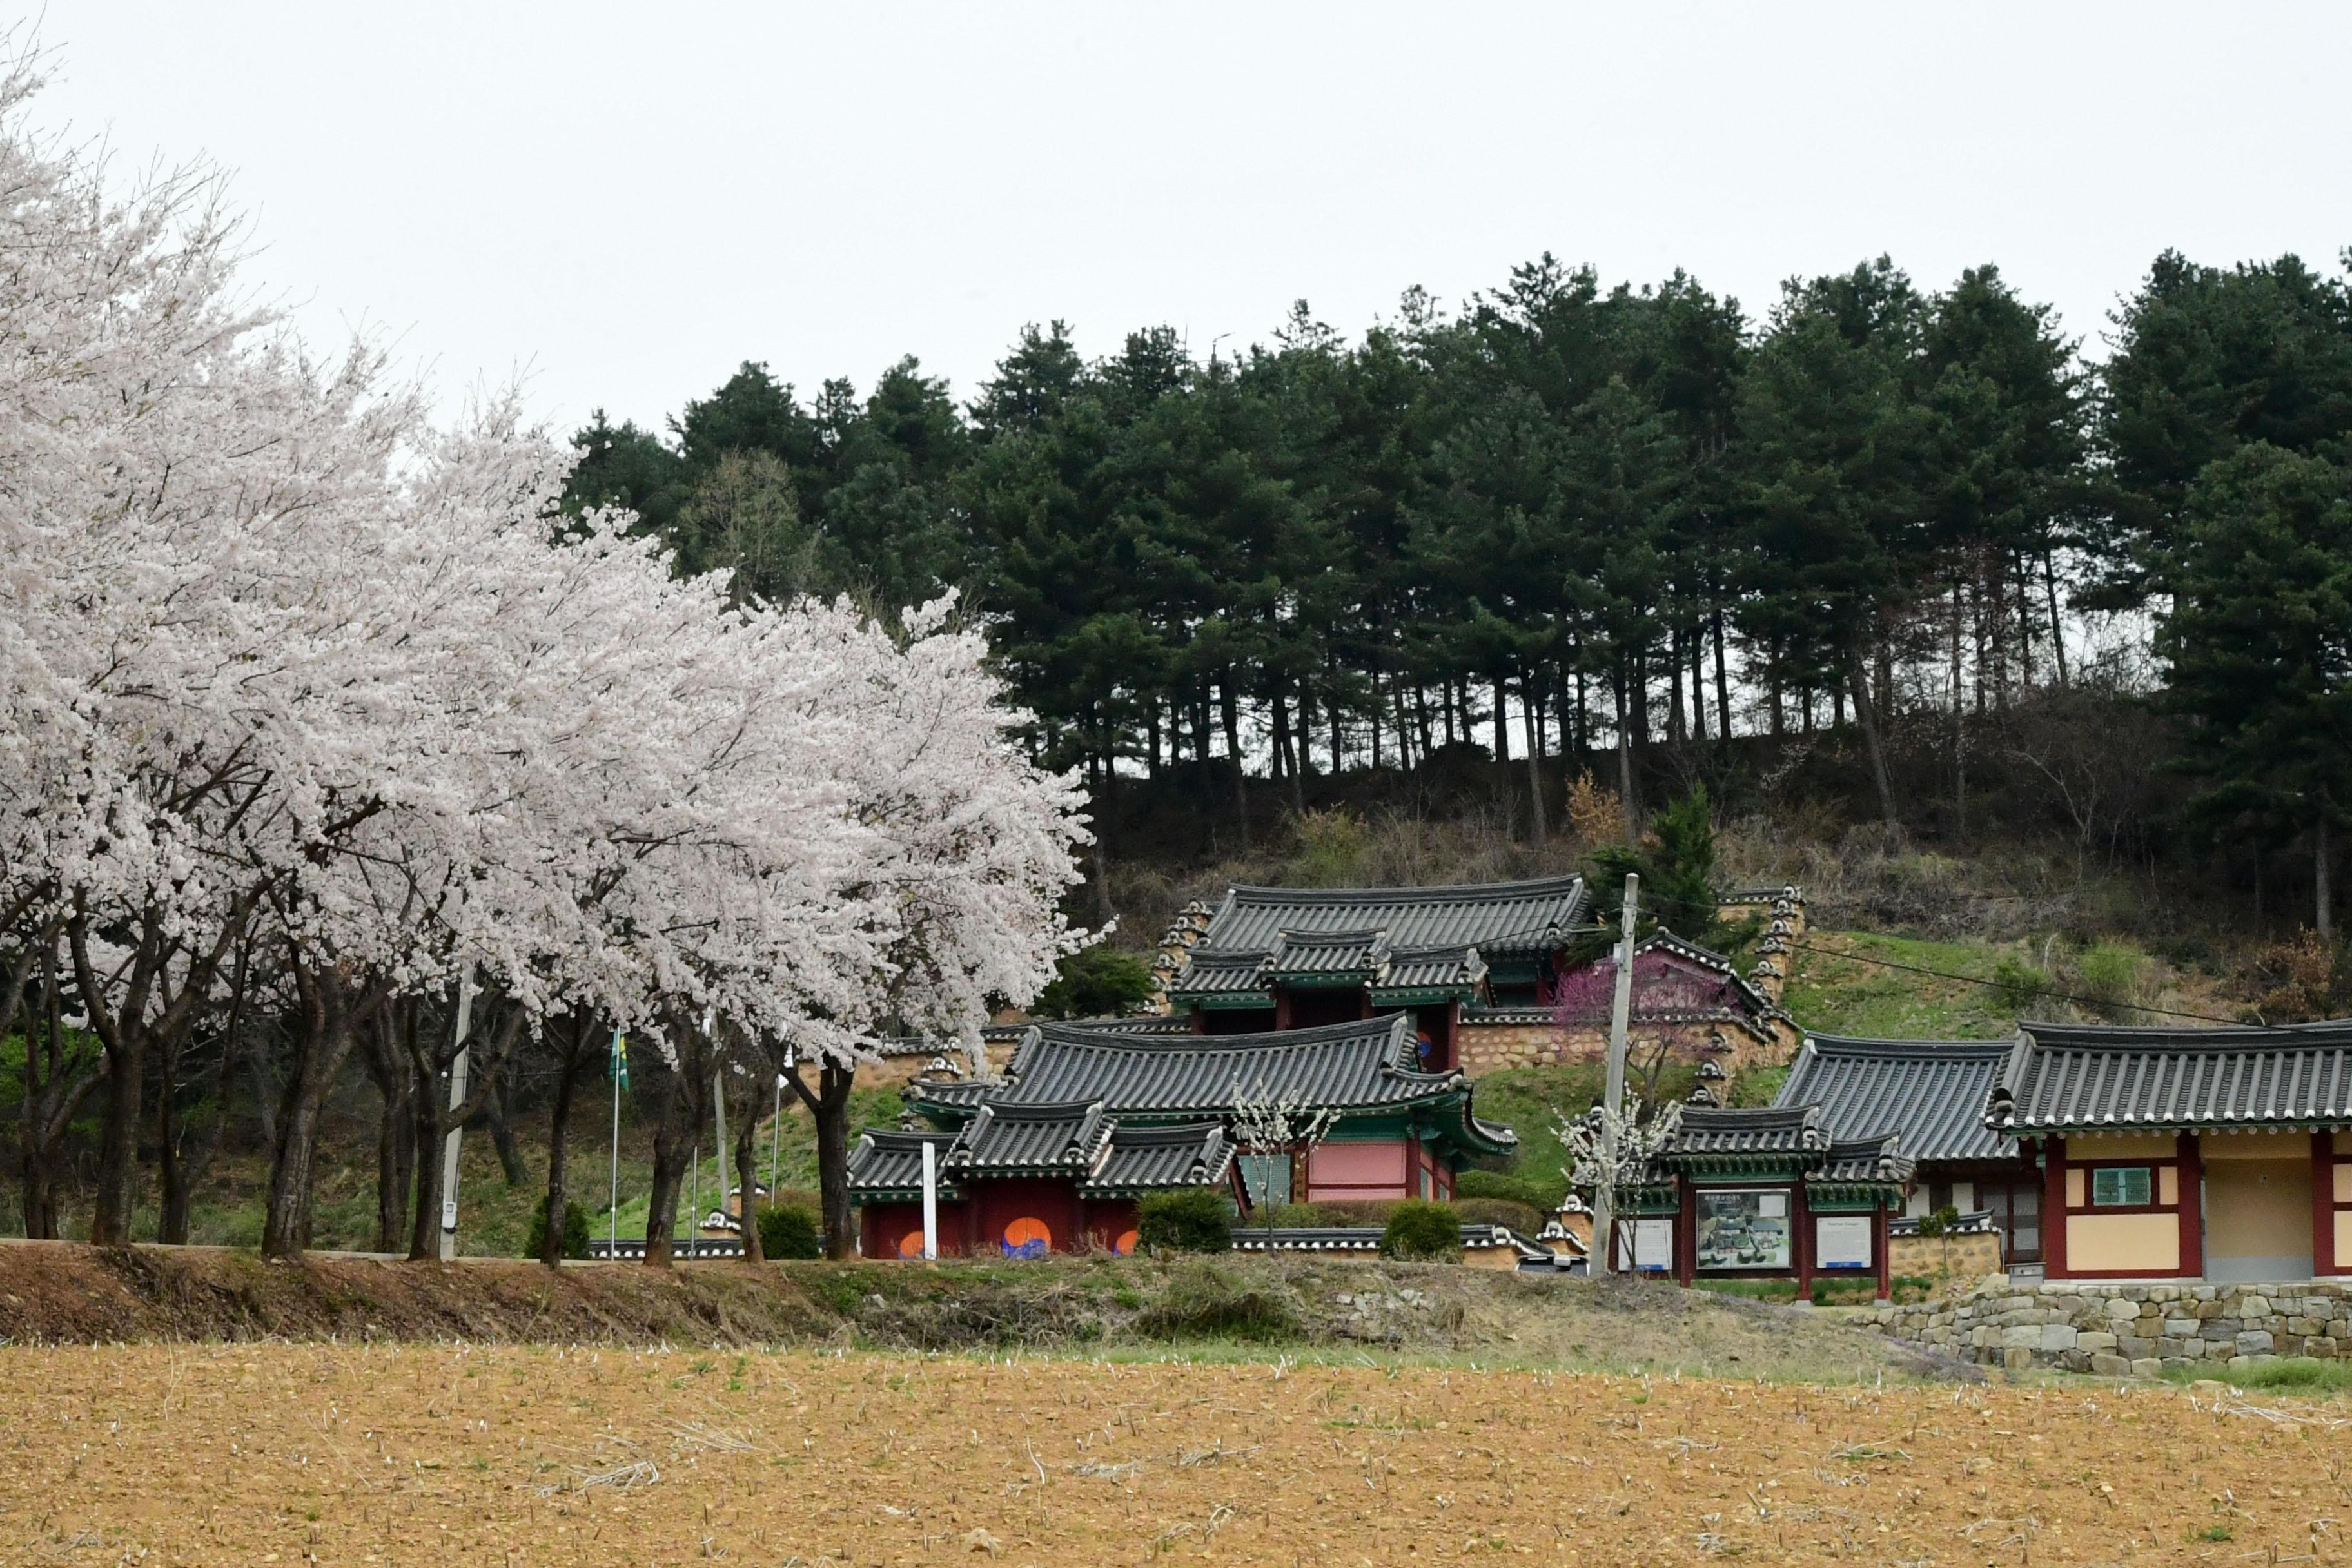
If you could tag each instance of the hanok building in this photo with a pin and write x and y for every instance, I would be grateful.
(2221, 1154)
(1397, 1131)
(1765, 1193)
(1479, 968)
(1026, 1180)
(1931, 1094)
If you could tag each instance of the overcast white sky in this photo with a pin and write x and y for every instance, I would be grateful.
(624, 202)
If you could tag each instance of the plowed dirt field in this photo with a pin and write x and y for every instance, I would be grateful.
(286, 1454)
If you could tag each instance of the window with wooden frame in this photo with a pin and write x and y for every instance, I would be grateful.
(2124, 1186)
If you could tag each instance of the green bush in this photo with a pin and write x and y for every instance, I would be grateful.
(1095, 983)
(2020, 984)
(1423, 1232)
(790, 1230)
(1189, 1219)
(2112, 974)
(1525, 1218)
(575, 1230)
(1540, 1195)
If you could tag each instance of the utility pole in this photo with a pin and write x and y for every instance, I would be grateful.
(620, 1082)
(930, 1201)
(1621, 1014)
(456, 1099)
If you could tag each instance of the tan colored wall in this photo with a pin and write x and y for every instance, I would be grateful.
(2122, 1146)
(2342, 1236)
(1972, 1256)
(2256, 1208)
(1503, 1259)
(2253, 1145)
(2123, 1243)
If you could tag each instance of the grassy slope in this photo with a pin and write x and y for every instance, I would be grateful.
(1846, 996)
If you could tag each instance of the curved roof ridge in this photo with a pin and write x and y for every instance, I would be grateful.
(2159, 1037)
(1866, 1045)
(1419, 890)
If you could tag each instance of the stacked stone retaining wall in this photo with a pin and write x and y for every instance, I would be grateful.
(2091, 1326)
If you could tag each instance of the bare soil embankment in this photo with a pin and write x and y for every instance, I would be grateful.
(61, 1293)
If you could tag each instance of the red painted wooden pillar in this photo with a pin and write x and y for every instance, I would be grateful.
(2323, 1202)
(1282, 1006)
(2053, 1207)
(2193, 1205)
(1686, 1235)
(1878, 1236)
(1801, 1237)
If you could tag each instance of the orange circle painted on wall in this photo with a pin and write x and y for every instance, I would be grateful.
(1028, 1237)
(911, 1243)
(1125, 1245)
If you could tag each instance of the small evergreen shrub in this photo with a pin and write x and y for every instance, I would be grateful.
(1189, 1219)
(1423, 1232)
(790, 1230)
(575, 1230)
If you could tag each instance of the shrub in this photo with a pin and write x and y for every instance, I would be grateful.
(1189, 1219)
(1542, 1196)
(575, 1230)
(790, 1230)
(1423, 1232)
(1525, 1218)
(1207, 1300)
(1097, 982)
(2112, 974)
(2020, 984)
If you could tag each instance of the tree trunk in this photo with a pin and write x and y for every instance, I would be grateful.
(1626, 796)
(171, 1175)
(502, 1138)
(1722, 685)
(1677, 729)
(1869, 721)
(2057, 626)
(1502, 724)
(328, 1018)
(747, 1176)
(1536, 820)
(2323, 900)
(828, 1106)
(1960, 738)
(388, 1064)
(559, 1146)
(429, 1126)
(1232, 715)
(671, 1135)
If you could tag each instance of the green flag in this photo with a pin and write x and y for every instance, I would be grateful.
(620, 1060)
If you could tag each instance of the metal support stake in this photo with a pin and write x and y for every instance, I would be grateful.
(456, 1099)
(1605, 1191)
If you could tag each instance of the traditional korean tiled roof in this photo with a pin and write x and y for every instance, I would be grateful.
(2068, 1077)
(1414, 971)
(886, 1162)
(1776, 1129)
(1857, 1161)
(1367, 1239)
(1931, 1092)
(1312, 955)
(1221, 971)
(1358, 1067)
(1153, 1159)
(1516, 918)
(1009, 1139)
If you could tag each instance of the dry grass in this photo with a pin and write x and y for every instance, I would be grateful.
(377, 1455)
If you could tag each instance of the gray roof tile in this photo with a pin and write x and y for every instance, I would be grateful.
(1770, 1129)
(1033, 1140)
(2078, 1076)
(1152, 1159)
(1500, 919)
(887, 1160)
(1931, 1092)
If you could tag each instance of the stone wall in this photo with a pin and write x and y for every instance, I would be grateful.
(1973, 1254)
(1482, 1049)
(2091, 1326)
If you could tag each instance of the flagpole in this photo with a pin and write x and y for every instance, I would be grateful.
(619, 1067)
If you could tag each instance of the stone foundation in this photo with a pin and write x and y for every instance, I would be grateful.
(2138, 1329)
(1482, 1049)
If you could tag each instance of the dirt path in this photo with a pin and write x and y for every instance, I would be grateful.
(260, 1454)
